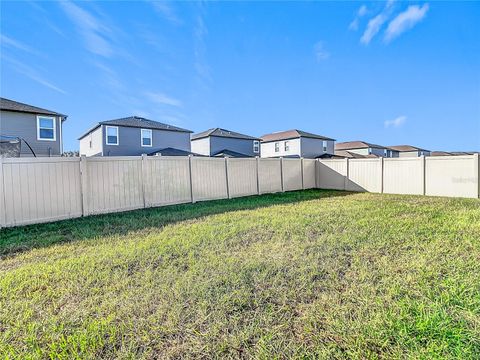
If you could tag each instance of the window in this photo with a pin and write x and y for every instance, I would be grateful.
(46, 128)
(277, 147)
(421, 153)
(286, 146)
(369, 151)
(385, 152)
(256, 146)
(111, 134)
(324, 143)
(146, 137)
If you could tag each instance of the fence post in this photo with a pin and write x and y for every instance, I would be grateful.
(281, 173)
(317, 172)
(301, 167)
(226, 177)
(381, 175)
(190, 174)
(476, 166)
(423, 161)
(3, 212)
(83, 185)
(144, 167)
(347, 174)
(258, 175)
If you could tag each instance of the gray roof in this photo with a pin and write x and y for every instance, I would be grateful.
(136, 122)
(222, 133)
(11, 105)
(230, 153)
(348, 145)
(173, 152)
(292, 134)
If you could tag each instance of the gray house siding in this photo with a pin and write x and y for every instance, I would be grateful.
(24, 125)
(129, 141)
(311, 148)
(243, 146)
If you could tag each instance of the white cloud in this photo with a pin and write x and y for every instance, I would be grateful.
(405, 21)
(397, 122)
(162, 99)
(164, 9)
(93, 31)
(32, 74)
(7, 41)
(320, 52)
(375, 24)
(362, 11)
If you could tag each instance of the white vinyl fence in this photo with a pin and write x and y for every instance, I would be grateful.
(34, 190)
(456, 176)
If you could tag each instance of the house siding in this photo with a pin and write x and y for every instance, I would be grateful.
(24, 125)
(201, 146)
(243, 146)
(415, 153)
(268, 148)
(129, 141)
(312, 148)
(96, 137)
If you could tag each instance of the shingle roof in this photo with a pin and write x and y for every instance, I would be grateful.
(136, 122)
(173, 152)
(292, 134)
(406, 148)
(349, 154)
(230, 153)
(222, 133)
(356, 145)
(11, 105)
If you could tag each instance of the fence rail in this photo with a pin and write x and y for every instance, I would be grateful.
(456, 176)
(35, 190)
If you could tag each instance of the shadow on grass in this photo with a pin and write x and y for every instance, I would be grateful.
(18, 239)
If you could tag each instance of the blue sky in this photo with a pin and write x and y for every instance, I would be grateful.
(385, 72)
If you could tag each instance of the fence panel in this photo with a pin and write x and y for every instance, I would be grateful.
(403, 176)
(242, 177)
(332, 174)
(209, 178)
(452, 176)
(269, 176)
(292, 174)
(308, 173)
(113, 184)
(166, 180)
(41, 190)
(365, 175)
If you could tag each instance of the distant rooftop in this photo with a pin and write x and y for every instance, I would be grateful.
(403, 148)
(292, 134)
(219, 132)
(11, 105)
(137, 122)
(348, 145)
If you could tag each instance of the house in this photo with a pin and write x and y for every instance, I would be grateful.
(296, 143)
(225, 143)
(39, 130)
(410, 151)
(364, 148)
(133, 136)
(451, 153)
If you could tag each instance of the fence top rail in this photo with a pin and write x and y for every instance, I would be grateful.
(331, 160)
(38, 160)
(290, 159)
(160, 158)
(113, 158)
(417, 158)
(270, 159)
(366, 160)
(456, 157)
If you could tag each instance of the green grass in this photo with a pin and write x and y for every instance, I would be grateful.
(314, 274)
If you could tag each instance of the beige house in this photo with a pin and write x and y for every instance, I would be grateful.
(353, 148)
(296, 143)
(410, 151)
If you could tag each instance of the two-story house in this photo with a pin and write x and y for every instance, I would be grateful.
(365, 149)
(225, 143)
(133, 136)
(38, 130)
(296, 143)
(410, 151)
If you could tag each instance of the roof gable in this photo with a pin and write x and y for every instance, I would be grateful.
(348, 145)
(11, 105)
(292, 134)
(219, 132)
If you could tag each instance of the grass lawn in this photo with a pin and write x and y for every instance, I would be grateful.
(314, 274)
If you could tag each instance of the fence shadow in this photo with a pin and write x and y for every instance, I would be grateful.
(20, 239)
